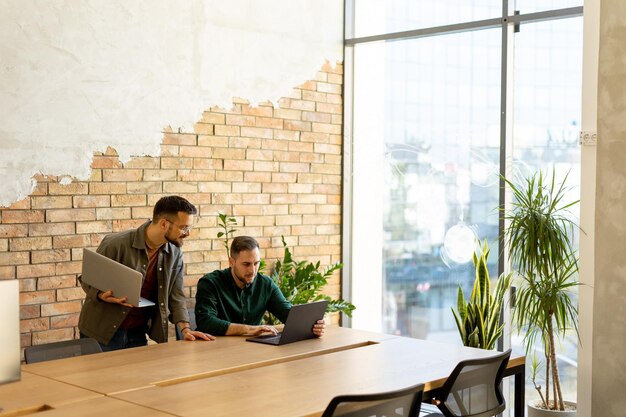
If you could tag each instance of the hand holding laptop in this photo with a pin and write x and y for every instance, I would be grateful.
(319, 327)
(107, 297)
(119, 283)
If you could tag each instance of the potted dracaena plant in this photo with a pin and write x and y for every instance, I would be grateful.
(539, 232)
(478, 319)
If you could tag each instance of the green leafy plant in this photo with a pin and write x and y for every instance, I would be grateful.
(302, 282)
(538, 235)
(535, 366)
(478, 319)
(227, 223)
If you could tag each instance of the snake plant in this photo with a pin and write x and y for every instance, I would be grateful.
(478, 319)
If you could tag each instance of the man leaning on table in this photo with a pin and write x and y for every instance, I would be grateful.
(154, 250)
(233, 301)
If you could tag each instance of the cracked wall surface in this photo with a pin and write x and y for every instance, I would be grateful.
(78, 77)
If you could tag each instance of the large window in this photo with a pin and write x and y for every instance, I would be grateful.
(441, 140)
(435, 116)
(375, 17)
(547, 111)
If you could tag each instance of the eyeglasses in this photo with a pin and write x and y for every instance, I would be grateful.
(184, 229)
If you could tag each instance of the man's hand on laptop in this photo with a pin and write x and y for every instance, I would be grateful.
(107, 297)
(262, 330)
(318, 328)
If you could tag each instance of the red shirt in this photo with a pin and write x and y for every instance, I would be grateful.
(149, 290)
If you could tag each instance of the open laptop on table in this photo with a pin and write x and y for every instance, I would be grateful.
(106, 274)
(298, 326)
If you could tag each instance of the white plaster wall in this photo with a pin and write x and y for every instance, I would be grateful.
(608, 362)
(77, 76)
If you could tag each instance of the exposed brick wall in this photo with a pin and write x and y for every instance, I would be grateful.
(277, 170)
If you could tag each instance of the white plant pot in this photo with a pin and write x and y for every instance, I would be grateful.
(535, 410)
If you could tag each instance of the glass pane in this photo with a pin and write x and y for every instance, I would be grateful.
(438, 114)
(548, 79)
(532, 6)
(375, 17)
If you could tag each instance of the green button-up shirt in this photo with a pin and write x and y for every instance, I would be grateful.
(220, 302)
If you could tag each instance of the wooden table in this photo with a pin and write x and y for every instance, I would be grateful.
(173, 362)
(304, 387)
(95, 407)
(233, 377)
(34, 393)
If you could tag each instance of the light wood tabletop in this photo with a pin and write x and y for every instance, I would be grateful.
(174, 362)
(96, 407)
(304, 387)
(33, 393)
(232, 377)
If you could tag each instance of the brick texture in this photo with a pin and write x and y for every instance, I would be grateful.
(277, 169)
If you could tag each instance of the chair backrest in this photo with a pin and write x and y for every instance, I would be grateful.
(59, 350)
(405, 402)
(473, 388)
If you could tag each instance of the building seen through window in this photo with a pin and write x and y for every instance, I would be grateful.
(432, 105)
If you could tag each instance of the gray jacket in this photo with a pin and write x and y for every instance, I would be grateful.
(101, 320)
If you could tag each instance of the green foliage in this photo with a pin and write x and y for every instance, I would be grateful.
(535, 366)
(478, 319)
(227, 223)
(302, 282)
(539, 239)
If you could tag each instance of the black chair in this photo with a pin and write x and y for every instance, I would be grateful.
(192, 324)
(60, 350)
(404, 402)
(473, 388)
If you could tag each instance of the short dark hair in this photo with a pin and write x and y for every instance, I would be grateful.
(171, 205)
(241, 243)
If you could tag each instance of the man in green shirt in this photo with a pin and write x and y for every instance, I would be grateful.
(233, 301)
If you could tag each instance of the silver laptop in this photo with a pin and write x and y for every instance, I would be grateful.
(298, 326)
(106, 274)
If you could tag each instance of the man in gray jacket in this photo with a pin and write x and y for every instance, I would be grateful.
(154, 250)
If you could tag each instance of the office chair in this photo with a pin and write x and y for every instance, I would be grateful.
(473, 388)
(60, 350)
(192, 324)
(405, 402)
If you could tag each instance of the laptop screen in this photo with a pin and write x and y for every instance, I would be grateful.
(107, 274)
(299, 323)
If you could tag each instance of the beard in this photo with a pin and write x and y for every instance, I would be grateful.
(242, 280)
(178, 242)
